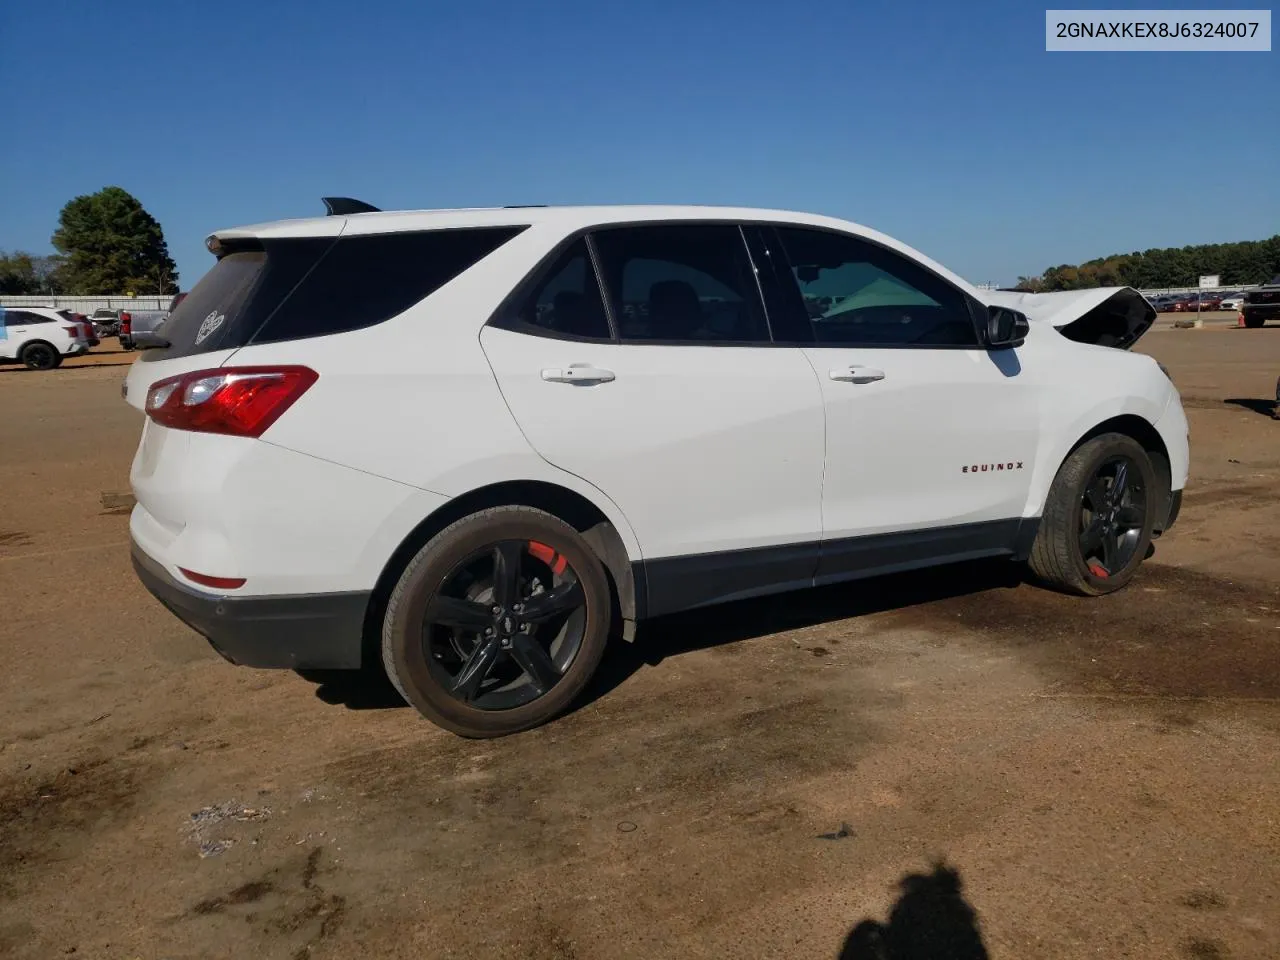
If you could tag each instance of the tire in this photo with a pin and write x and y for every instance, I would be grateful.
(38, 355)
(419, 656)
(1253, 323)
(1058, 558)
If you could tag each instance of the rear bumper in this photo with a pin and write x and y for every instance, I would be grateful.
(320, 631)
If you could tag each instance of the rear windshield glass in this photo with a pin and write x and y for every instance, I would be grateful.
(290, 289)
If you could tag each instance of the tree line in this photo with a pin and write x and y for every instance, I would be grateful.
(106, 243)
(1249, 261)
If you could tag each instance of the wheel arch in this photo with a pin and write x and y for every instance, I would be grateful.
(575, 509)
(1144, 432)
(34, 342)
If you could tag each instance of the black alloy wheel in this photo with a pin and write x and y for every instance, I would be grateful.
(1098, 517)
(1113, 515)
(39, 356)
(505, 624)
(498, 622)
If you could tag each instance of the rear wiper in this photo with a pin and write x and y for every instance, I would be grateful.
(154, 343)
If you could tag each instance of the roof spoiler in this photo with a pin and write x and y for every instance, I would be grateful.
(341, 206)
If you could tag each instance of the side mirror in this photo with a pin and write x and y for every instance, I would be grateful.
(1006, 328)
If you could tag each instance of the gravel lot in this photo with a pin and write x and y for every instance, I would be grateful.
(1101, 776)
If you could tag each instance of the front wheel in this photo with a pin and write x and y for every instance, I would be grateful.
(1098, 518)
(498, 623)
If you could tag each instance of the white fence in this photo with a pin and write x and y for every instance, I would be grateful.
(89, 304)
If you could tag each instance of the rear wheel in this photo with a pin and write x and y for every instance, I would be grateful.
(1098, 518)
(1253, 322)
(40, 356)
(498, 623)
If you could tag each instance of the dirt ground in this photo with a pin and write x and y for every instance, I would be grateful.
(1101, 778)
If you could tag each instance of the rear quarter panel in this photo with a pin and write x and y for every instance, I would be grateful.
(414, 399)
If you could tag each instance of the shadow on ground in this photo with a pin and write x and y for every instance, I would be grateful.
(672, 636)
(931, 920)
(658, 639)
(1268, 408)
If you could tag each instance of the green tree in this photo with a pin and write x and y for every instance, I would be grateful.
(1250, 261)
(111, 245)
(22, 273)
(18, 274)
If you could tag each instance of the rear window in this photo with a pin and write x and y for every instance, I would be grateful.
(296, 288)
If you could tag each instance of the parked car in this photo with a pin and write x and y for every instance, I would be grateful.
(527, 429)
(39, 337)
(106, 322)
(85, 324)
(1261, 304)
(1232, 301)
(140, 329)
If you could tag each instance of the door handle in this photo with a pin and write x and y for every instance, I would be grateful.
(579, 373)
(857, 374)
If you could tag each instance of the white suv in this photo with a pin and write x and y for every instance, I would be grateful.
(472, 444)
(40, 337)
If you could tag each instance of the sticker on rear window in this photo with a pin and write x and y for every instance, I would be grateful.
(211, 323)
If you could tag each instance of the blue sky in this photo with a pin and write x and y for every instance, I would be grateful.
(946, 125)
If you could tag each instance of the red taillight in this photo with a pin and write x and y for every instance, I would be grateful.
(126, 322)
(74, 331)
(240, 401)
(218, 583)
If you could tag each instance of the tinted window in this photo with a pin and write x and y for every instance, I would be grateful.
(857, 292)
(681, 283)
(365, 280)
(566, 299)
(24, 318)
(289, 289)
(219, 314)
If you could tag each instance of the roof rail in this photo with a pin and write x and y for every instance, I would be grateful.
(341, 206)
(523, 206)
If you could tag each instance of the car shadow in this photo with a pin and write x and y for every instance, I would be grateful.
(681, 633)
(670, 636)
(1268, 408)
(367, 689)
(931, 920)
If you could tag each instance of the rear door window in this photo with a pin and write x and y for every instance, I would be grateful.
(564, 300)
(681, 283)
(295, 288)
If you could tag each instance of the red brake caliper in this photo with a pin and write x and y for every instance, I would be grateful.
(547, 555)
(1099, 571)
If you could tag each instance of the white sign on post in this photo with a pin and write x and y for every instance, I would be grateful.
(1209, 282)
